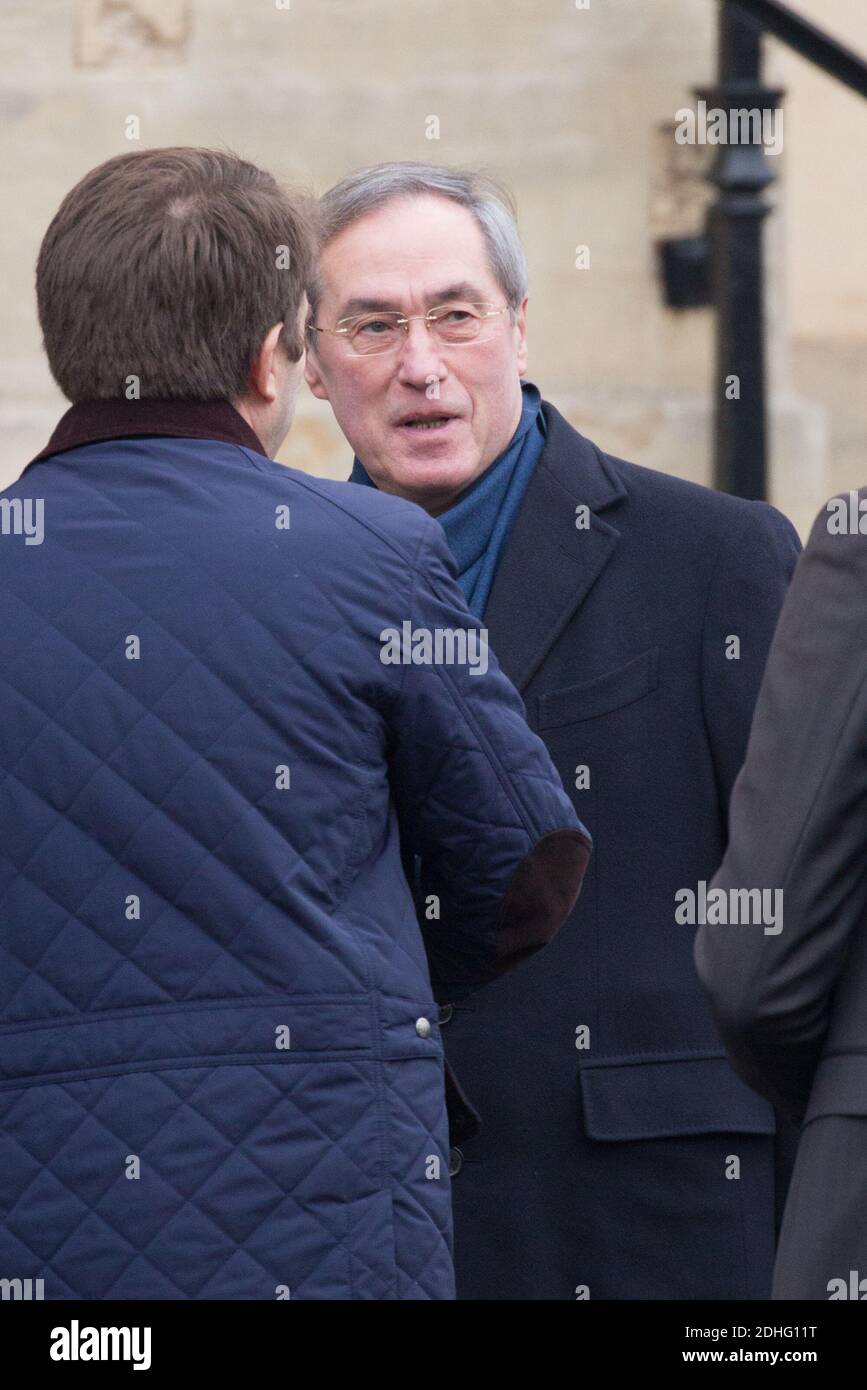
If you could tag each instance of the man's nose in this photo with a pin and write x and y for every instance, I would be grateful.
(420, 356)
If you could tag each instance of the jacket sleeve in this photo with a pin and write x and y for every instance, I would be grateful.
(499, 850)
(752, 574)
(796, 826)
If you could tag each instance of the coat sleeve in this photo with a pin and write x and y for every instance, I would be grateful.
(751, 577)
(797, 818)
(481, 808)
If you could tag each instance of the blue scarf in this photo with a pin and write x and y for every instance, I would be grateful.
(477, 525)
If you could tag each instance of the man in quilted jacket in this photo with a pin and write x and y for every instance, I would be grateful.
(238, 705)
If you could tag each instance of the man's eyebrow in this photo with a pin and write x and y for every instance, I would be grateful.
(462, 290)
(365, 306)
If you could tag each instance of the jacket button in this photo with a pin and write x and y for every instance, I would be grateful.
(422, 1027)
(456, 1162)
(445, 1013)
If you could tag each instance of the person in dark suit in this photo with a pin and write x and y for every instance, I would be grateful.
(619, 1155)
(791, 1001)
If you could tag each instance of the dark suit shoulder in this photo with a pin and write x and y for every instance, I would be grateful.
(698, 506)
(648, 498)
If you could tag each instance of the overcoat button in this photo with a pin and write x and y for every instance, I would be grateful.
(456, 1162)
(445, 1013)
(422, 1027)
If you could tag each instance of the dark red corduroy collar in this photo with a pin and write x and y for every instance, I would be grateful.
(92, 421)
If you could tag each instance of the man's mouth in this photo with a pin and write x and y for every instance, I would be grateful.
(426, 422)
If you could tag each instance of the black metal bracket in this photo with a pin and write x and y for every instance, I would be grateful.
(684, 264)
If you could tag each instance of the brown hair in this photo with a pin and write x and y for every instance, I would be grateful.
(170, 265)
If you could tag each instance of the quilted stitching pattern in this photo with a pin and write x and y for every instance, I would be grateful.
(150, 1034)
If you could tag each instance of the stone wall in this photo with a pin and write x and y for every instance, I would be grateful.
(571, 104)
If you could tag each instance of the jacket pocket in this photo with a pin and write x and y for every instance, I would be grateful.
(660, 1098)
(603, 695)
(157, 1037)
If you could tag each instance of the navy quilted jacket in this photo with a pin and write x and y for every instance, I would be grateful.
(221, 1074)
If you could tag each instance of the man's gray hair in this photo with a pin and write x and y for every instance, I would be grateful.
(490, 203)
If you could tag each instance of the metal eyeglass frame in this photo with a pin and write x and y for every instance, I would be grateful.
(403, 321)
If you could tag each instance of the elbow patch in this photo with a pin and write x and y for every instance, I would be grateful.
(542, 893)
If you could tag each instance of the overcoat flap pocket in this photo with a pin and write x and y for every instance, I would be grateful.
(602, 695)
(676, 1096)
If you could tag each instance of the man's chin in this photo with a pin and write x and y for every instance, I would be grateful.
(434, 485)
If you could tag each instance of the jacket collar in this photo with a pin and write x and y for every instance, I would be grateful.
(549, 565)
(89, 422)
(579, 465)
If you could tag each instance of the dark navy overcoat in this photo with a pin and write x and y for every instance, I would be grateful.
(620, 1156)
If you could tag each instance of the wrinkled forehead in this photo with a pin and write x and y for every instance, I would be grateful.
(410, 254)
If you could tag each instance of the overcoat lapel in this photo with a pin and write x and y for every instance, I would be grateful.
(549, 564)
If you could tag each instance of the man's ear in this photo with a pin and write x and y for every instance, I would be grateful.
(313, 376)
(521, 331)
(263, 377)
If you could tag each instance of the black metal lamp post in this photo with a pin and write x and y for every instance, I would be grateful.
(724, 265)
(741, 173)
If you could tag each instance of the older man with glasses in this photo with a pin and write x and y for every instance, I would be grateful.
(619, 1155)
